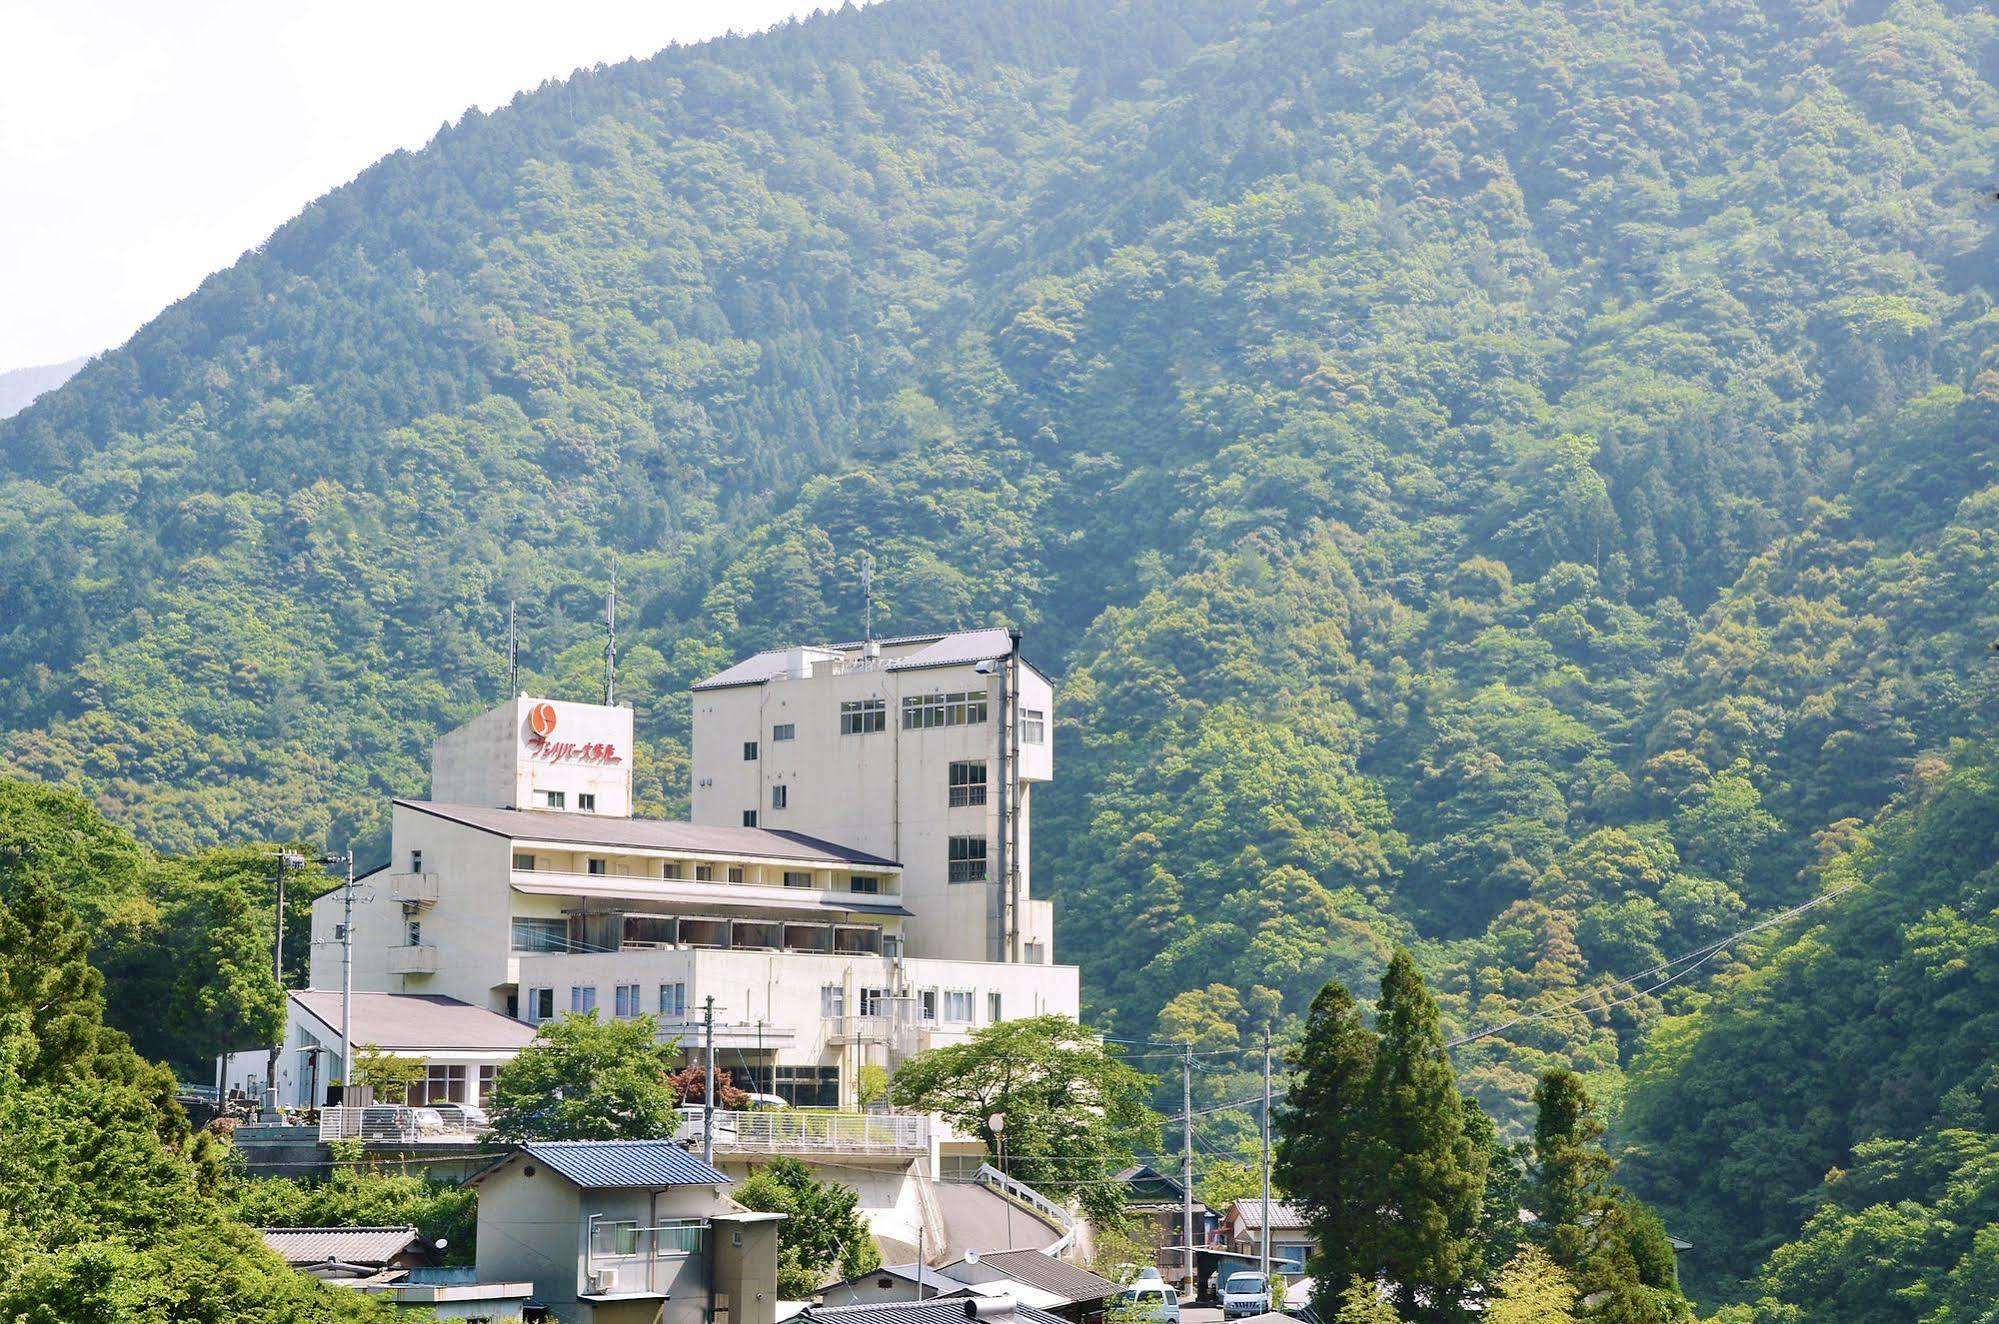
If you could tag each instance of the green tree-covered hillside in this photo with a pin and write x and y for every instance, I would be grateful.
(1508, 478)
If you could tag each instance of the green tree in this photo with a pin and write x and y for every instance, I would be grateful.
(1074, 1113)
(1431, 1170)
(1532, 1289)
(1362, 1302)
(822, 1236)
(588, 1079)
(388, 1074)
(1327, 1152)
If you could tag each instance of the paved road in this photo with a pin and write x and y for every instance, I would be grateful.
(1200, 1315)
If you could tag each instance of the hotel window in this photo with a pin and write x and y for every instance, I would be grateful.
(863, 717)
(541, 935)
(967, 860)
(921, 711)
(1037, 953)
(968, 784)
(583, 999)
(735, 873)
(863, 882)
(797, 878)
(486, 1075)
(540, 1004)
(673, 1002)
(597, 866)
(993, 1012)
(704, 873)
(749, 751)
(413, 933)
(958, 1006)
(780, 795)
(783, 731)
(523, 861)
(749, 818)
(586, 799)
(554, 799)
(625, 1001)
(670, 870)
(808, 1087)
(439, 1085)
(926, 1004)
(1033, 726)
(832, 1000)
(416, 861)
(874, 1002)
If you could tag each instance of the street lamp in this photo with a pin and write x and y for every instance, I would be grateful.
(998, 1124)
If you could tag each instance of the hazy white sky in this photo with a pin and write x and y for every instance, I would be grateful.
(145, 144)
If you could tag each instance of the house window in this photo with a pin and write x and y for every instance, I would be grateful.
(1037, 953)
(413, 933)
(968, 783)
(779, 796)
(926, 1004)
(967, 860)
(958, 1006)
(874, 1002)
(586, 799)
(783, 731)
(524, 861)
(749, 751)
(704, 873)
(540, 1005)
(439, 1085)
(673, 1002)
(540, 935)
(993, 1008)
(808, 1087)
(583, 999)
(670, 870)
(486, 1075)
(797, 878)
(625, 1002)
(862, 882)
(863, 717)
(832, 1000)
(1033, 726)
(554, 799)
(596, 866)
(749, 818)
(416, 861)
(735, 873)
(921, 711)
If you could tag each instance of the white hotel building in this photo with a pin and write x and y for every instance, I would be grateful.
(853, 886)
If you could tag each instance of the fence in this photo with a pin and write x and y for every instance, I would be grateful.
(808, 1131)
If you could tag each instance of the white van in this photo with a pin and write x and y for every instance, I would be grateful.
(1245, 1294)
(1149, 1301)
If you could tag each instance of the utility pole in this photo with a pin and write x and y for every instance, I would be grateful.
(708, 1082)
(1264, 1246)
(347, 980)
(277, 977)
(1187, 1170)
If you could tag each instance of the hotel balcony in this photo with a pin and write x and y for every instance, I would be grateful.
(413, 888)
(805, 1132)
(418, 960)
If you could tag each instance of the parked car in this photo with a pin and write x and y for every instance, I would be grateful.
(388, 1121)
(1150, 1301)
(428, 1121)
(462, 1116)
(1245, 1294)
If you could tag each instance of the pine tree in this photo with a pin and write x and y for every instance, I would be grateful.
(1324, 1154)
(1571, 1183)
(1432, 1172)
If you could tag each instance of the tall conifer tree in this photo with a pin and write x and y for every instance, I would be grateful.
(1326, 1155)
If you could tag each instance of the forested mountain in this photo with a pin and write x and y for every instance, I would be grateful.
(1516, 478)
(20, 386)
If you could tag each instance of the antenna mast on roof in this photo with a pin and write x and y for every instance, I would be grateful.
(868, 648)
(513, 655)
(611, 639)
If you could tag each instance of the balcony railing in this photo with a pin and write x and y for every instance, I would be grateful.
(413, 888)
(809, 1131)
(392, 1124)
(417, 960)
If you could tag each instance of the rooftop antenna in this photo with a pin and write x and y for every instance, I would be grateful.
(868, 646)
(611, 639)
(513, 654)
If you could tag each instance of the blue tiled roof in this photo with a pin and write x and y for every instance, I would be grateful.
(622, 1164)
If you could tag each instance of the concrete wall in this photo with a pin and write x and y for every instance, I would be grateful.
(498, 760)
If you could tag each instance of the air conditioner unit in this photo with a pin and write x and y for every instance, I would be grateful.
(603, 1281)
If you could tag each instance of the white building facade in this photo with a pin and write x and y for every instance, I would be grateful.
(527, 888)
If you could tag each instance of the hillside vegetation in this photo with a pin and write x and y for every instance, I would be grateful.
(1515, 479)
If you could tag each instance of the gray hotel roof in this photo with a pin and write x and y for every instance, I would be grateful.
(955, 648)
(651, 834)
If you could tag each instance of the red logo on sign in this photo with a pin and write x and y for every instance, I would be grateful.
(541, 719)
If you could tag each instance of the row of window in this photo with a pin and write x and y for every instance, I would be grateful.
(866, 717)
(585, 800)
(967, 786)
(627, 1002)
(946, 1006)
